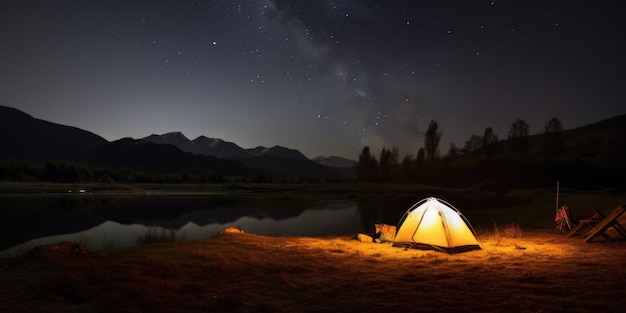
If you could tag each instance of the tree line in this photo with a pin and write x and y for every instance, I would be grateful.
(469, 160)
(69, 172)
(74, 172)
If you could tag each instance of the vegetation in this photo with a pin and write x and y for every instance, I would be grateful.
(72, 172)
(589, 157)
(431, 141)
(521, 161)
(539, 271)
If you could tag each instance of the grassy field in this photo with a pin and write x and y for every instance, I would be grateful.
(524, 266)
(521, 271)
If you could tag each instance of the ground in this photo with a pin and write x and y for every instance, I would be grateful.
(529, 271)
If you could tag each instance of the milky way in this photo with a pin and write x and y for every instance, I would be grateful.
(323, 77)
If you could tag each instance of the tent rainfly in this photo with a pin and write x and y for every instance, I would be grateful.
(433, 224)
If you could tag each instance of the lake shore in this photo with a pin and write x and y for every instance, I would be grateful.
(534, 271)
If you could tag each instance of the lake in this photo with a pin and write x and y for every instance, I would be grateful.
(103, 221)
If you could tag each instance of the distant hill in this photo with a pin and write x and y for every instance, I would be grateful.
(145, 155)
(592, 156)
(285, 162)
(174, 138)
(217, 147)
(201, 145)
(345, 167)
(25, 137)
(335, 161)
(289, 167)
(277, 151)
(601, 144)
(275, 161)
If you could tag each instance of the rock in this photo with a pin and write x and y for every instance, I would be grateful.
(363, 238)
(231, 230)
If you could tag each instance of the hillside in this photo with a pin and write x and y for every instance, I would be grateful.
(592, 156)
(601, 144)
(201, 145)
(145, 155)
(276, 161)
(27, 138)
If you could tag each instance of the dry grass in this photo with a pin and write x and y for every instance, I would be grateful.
(533, 271)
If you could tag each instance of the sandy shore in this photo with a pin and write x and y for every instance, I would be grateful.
(541, 271)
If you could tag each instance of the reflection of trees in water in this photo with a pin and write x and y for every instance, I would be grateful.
(27, 217)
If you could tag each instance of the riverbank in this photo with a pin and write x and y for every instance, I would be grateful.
(530, 271)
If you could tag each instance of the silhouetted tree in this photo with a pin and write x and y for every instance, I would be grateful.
(489, 141)
(60, 172)
(388, 164)
(552, 142)
(384, 165)
(473, 144)
(489, 137)
(553, 125)
(367, 167)
(431, 141)
(519, 129)
(420, 160)
(518, 135)
(406, 168)
(395, 161)
(453, 151)
(421, 157)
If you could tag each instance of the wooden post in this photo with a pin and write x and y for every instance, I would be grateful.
(557, 196)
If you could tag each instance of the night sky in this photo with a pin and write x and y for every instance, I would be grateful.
(323, 77)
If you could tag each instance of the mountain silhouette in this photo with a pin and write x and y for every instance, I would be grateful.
(275, 161)
(334, 161)
(217, 147)
(201, 145)
(147, 155)
(25, 137)
(279, 152)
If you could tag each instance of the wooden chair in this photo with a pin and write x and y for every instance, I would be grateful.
(586, 224)
(610, 221)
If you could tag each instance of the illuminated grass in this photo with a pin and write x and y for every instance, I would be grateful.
(249, 273)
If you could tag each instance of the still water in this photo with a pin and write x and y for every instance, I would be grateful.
(105, 221)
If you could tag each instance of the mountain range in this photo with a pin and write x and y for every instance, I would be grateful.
(594, 152)
(220, 148)
(274, 161)
(23, 137)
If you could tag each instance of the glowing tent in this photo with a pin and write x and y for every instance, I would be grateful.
(434, 224)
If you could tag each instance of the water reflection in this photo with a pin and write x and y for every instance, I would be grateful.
(102, 223)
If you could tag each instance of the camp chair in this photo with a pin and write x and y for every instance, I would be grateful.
(586, 224)
(610, 221)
